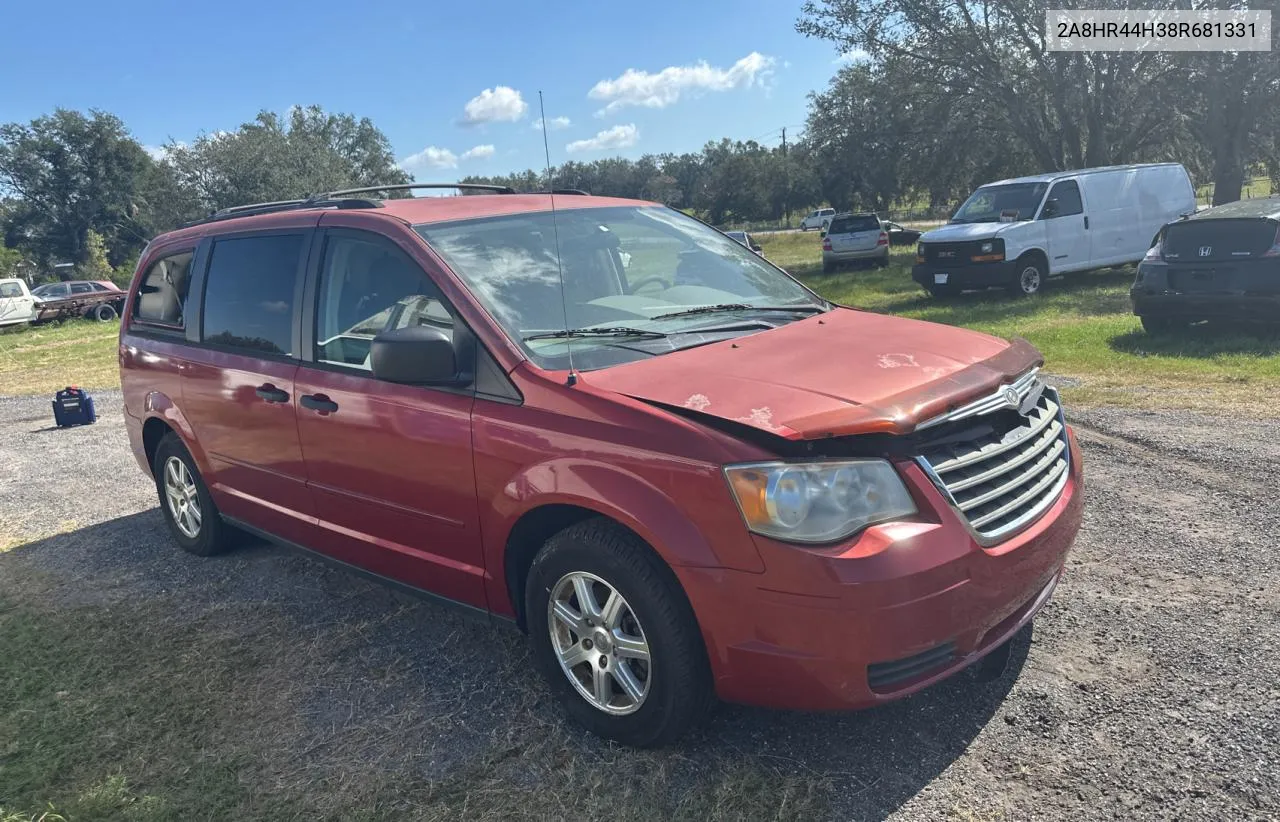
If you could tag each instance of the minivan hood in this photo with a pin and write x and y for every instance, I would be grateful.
(959, 232)
(835, 374)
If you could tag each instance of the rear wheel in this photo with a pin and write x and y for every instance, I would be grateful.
(188, 509)
(828, 268)
(615, 637)
(104, 312)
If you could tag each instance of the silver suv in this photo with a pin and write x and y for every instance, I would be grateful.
(855, 238)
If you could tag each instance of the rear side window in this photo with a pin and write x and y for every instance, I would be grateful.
(10, 290)
(81, 288)
(850, 225)
(163, 291)
(368, 286)
(249, 293)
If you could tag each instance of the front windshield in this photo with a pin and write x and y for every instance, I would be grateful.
(991, 204)
(623, 267)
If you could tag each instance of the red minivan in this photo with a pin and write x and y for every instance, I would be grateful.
(680, 471)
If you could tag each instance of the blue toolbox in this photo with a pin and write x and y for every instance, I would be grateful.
(73, 406)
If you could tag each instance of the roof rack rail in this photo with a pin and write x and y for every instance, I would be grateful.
(252, 209)
(576, 191)
(410, 186)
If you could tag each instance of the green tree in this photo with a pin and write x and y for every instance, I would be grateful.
(279, 157)
(70, 174)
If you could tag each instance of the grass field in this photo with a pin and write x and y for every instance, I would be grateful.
(41, 359)
(1083, 325)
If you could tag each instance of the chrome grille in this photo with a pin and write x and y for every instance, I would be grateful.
(1009, 475)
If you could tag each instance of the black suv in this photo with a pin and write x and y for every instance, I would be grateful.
(1222, 263)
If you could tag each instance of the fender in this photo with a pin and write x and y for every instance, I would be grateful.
(157, 405)
(713, 536)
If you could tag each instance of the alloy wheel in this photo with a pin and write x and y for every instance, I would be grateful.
(183, 497)
(1029, 280)
(599, 643)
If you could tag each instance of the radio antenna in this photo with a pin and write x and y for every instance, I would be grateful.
(555, 229)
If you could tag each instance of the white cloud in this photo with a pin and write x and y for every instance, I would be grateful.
(430, 157)
(640, 88)
(852, 56)
(616, 137)
(495, 105)
(554, 124)
(159, 153)
(478, 152)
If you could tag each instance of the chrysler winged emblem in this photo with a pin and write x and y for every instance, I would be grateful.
(1206, 250)
(1011, 397)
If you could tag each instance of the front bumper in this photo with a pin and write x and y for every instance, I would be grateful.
(969, 275)
(900, 607)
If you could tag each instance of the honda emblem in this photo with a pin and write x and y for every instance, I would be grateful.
(1206, 250)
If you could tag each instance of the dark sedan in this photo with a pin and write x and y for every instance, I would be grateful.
(1221, 264)
(899, 235)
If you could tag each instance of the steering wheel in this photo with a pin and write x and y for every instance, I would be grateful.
(648, 281)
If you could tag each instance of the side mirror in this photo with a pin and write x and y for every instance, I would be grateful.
(417, 355)
(1050, 208)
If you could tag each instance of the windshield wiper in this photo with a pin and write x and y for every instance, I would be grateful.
(722, 307)
(596, 332)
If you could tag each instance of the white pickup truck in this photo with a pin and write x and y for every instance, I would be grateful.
(16, 303)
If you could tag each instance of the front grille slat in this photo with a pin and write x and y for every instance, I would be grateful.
(1025, 496)
(1027, 475)
(1046, 440)
(1008, 475)
(1045, 416)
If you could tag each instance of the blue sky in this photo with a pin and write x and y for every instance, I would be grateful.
(453, 85)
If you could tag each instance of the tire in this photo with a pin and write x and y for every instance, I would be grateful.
(938, 292)
(883, 262)
(210, 536)
(1161, 325)
(828, 268)
(674, 683)
(1029, 276)
(104, 313)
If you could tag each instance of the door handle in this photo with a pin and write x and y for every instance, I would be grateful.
(319, 403)
(1086, 221)
(270, 393)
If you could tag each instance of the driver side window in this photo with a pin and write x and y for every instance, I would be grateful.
(367, 286)
(1067, 194)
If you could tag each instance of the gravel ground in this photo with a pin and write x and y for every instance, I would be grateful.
(1148, 688)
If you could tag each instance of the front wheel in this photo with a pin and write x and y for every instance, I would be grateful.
(1030, 276)
(615, 637)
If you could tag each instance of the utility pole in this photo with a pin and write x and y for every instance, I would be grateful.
(786, 182)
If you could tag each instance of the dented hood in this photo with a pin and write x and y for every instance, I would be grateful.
(840, 373)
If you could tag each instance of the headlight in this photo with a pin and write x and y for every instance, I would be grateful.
(987, 248)
(817, 501)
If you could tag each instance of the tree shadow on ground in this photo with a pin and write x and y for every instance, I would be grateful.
(440, 707)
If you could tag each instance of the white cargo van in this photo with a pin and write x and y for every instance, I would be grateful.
(1015, 233)
(16, 303)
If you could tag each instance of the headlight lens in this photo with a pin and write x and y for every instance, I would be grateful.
(816, 502)
(987, 248)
